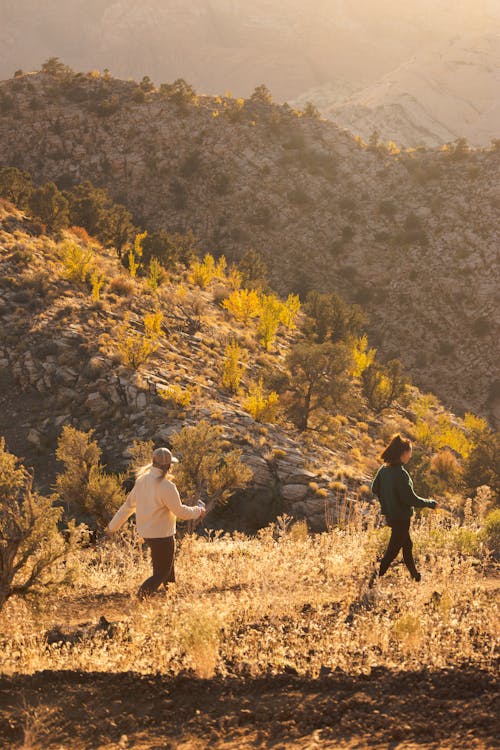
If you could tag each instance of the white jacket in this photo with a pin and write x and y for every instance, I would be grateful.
(156, 503)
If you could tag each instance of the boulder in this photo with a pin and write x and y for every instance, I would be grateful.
(96, 403)
(294, 492)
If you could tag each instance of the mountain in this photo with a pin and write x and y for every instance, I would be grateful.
(435, 97)
(411, 235)
(219, 45)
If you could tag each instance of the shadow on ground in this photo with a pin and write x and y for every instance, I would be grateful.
(451, 708)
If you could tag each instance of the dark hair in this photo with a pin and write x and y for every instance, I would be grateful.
(392, 453)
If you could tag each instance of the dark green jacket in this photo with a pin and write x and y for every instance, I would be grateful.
(394, 488)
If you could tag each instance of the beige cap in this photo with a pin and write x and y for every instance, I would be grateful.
(162, 458)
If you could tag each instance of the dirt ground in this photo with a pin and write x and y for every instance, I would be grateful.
(449, 709)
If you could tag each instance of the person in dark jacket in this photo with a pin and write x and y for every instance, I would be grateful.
(393, 487)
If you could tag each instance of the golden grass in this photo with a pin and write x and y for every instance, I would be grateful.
(282, 600)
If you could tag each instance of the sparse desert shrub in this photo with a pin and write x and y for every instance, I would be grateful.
(140, 453)
(97, 281)
(83, 486)
(176, 395)
(122, 286)
(263, 407)
(207, 467)
(446, 468)
(199, 635)
(134, 347)
(491, 532)
(31, 545)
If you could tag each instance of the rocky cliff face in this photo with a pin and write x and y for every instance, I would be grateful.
(411, 235)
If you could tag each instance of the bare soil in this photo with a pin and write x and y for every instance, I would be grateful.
(448, 709)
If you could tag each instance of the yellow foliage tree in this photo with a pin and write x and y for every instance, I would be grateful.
(271, 310)
(233, 367)
(290, 310)
(78, 261)
(262, 407)
(363, 356)
(243, 304)
(202, 272)
(152, 323)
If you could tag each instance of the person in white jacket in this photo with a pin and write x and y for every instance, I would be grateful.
(155, 501)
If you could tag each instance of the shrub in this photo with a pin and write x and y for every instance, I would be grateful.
(31, 545)
(83, 486)
(262, 407)
(97, 281)
(15, 186)
(122, 285)
(176, 395)
(207, 466)
(78, 262)
(491, 532)
(202, 272)
(134, 347)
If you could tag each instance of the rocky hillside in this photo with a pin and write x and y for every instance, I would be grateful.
(411, 235)
(62, 362)
(435, 97)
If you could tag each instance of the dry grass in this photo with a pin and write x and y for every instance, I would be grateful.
(282, 601)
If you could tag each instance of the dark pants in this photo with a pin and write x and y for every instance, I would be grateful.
(400, 539)
(162, 557)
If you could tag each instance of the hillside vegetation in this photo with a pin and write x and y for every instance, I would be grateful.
(411, 235)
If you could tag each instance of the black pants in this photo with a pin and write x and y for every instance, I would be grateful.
(400, 539)
(162, 557)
